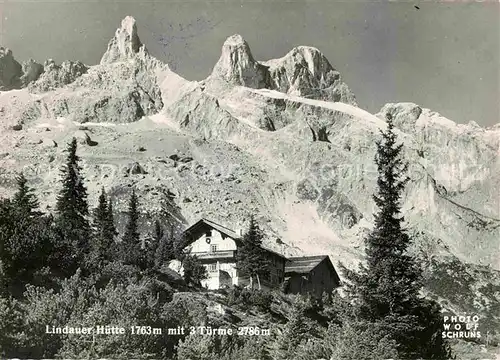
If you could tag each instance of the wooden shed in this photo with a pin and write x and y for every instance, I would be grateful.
(310, 275)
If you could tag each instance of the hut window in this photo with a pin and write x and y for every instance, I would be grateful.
(212, 267)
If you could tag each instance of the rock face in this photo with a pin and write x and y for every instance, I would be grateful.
(10, 70)
(31, 72)
(238, 67)
(115, 91)
(57, 76)
(125, 44)
(283, 139)
(304, 71)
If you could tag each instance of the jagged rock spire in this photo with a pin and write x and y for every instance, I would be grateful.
(10, 70)
(237, 66)
(125, 44)
(304, 71)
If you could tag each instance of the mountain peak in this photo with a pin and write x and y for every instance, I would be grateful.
(305, 71)
(11, 70)
(125, 44)
(237, 66)
(236, 40)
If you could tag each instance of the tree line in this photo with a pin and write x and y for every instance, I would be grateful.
(75, 236)
(69, 268)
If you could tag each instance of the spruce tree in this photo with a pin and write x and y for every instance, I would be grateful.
(25, 202)
(103, 228)
(251, 258)
(72, 207)
(165, 250)
(131, 243)
(26, 238)
(101, 214)
(6, 233)
(169, 251)
(153, 243)
(387, 288)
(158, 232)
(110, 228)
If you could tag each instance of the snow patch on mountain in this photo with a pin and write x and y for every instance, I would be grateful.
(338, 106)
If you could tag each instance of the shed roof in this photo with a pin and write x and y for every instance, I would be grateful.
(304, 264)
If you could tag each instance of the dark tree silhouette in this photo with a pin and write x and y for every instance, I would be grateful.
(165, 250)
(110, 228)
(25, 202)
(251, 259)
(131, 243)
(194, 271)
(26, 238)
(72, 207)
(387, 288)
(103, 231)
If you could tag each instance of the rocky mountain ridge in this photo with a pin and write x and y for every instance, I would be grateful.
(283, 139)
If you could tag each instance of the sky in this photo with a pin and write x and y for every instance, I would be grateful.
(441, 55)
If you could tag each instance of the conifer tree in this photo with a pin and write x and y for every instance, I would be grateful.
(110, 231)
(104, 230)
(72, 206)
(25, 202)
(153, 243)
(165, 250)
(26, 238)
(21, 243)
(131, 243)
(101, 214)
(158, 232)
(386, 289)
(6, 232)
(251, 259)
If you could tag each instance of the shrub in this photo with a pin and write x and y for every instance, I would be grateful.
(362, 341)
(10, 327)
(194, 271)
(261, 299)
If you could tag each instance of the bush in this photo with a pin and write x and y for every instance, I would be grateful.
(261, 299)
(362, 341)
(124, 306)
(10, 327)
(353, 341)
(80, 304)
(194, 271)
(197, 347)
(201, 347)
(44, 307)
